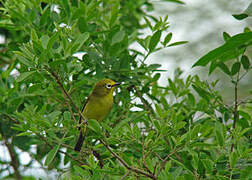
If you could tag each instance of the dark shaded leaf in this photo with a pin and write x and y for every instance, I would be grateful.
(245, 62)
(235, 68)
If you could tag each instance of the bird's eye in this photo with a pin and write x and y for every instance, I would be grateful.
(108, 86)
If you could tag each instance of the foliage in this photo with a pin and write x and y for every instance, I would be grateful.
(180, 131)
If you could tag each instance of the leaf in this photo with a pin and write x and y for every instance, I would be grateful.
(34, 36)
(224, 68)
(80, 171)
(148, 23)
(232, 44)
(226, 36)
(80, 40)
(118, 37)
(240, 16)
(212, 67)
(233, 159)
(50, 156)
(67, 116)
(95, 126)
(23, 60)
(208, 164)
(244, 114)
(175, 1)
(154, 40)
(44, 39)
(202, 93)
(245, 62)
(235, 68)
(52, 40)
(177, 43)
(24, 134)
(167, 39)
(219, 137)
(24, 75)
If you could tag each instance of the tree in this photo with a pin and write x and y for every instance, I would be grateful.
(182, 131)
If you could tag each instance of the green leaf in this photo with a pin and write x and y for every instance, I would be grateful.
(52, 41)
(245, 62)
(246, 173)
(44, 39)
(154, 40)
(50, 156)
(244, 114)
(95, 126)
(240, 16)
(202, 93)
(224, 68)
(177, 43)
(167, 39)
(226, 36)
(34, 36)
(24, 134)
(233, 159)
(67, 116)
(219, 137)
(235, 68)
(80, 40)
(23, 60)
(175, 1)
(81, 171)
(230, 46)
(208, 164)
(118, 37)
(24, 75)
(213, 66)
(148, 23)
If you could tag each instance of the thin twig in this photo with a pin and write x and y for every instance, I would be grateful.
(67, 96)
(146, 104)
(143, 154)
(138, 171)
(125, 175)
(235, 112)
(163, 163)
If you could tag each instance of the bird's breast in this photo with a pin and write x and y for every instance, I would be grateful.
(98, 107)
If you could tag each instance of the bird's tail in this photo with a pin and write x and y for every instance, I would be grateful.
(79, 142)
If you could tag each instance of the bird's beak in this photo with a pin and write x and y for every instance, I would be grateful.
(116, 84)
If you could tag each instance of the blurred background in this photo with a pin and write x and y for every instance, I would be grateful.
(202, 23)
(199, 22)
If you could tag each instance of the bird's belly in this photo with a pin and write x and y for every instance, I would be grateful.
(99, 109)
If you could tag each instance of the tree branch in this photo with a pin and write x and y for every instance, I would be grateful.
(67, 96)
(235, 112)
(14, 159)
(138, 171)
(146, 104)
(163, 163)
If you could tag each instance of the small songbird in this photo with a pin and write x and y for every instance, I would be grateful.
(97, 106)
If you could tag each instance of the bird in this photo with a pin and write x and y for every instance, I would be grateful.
(97, 106)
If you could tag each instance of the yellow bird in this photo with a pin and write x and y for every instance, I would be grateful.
(97, 106)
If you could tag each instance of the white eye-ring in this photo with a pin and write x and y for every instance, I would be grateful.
(108, 86)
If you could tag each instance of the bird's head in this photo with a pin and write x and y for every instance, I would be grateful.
(105, 87)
